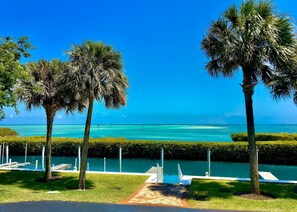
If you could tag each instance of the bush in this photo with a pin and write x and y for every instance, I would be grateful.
(283, 152)
(5, 131)
(265, 137)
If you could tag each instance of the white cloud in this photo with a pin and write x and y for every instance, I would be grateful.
(10, 116)
(60, 117)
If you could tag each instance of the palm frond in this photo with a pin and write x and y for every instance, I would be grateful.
(100, 72)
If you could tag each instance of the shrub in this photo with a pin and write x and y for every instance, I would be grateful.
(265, 137)
(5, 131)
(283, 152)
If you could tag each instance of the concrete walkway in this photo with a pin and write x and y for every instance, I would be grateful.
(159, 194)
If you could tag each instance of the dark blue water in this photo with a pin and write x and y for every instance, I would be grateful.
(152, 132)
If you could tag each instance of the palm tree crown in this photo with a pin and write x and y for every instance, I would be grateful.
(100, 72)
(46, 88)
(252, 37)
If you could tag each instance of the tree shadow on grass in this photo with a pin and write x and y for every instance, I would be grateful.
(31, 180)
(205, 190)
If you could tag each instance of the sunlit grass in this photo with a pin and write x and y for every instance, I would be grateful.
(213, 194)
(25, 186)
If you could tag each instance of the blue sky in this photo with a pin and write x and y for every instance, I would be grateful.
(160, 45)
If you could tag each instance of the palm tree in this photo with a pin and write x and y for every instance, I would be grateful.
(100, 77)
(45, 88)
(254, 39)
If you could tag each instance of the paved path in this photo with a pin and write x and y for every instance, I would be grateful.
(159, 194)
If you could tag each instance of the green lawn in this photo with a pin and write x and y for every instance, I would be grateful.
(24, 186)
(213, 194)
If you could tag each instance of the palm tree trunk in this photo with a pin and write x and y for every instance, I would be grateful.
(50, 114)
(248, 90)
(85, 146)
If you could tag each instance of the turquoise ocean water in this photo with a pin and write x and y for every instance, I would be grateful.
(152, 132)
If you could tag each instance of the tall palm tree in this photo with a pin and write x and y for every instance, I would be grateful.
(45, 88)
(259, 42)
(100, 77)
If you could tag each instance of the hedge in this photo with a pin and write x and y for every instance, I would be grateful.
(5, 131)
(283, 152)
(265, 137)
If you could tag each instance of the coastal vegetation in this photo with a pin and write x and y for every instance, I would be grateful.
(254, 39)
(270, 152)
(5, 131)
(265, 137)
(26, 186)
(99, 76)
(11, 70)
(233, 195)
(44, 88)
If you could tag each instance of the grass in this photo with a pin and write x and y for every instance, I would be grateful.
(24, 186)
(211, 194)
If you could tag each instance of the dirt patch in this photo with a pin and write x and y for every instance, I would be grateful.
(262, 196)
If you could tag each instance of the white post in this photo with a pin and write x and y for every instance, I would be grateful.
(3, 152)
(179, 173)
(79, 154)
(159, 174)
(162, 157)
(36, 164)
(88, 166)
(26, 147)
(42, 157)
(0, 151)
(10, 160)
(208, 160)
(104, 164)
(7, 153)
(120, 158)
(75, 165)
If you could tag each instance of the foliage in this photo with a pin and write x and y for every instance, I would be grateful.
(5, 131)
(11, 52)
(45, 87)
(265, 137)
(284, 84)
(271, 152)
(253, 36)
(24, 186)
(215, 194)
(99, 71)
